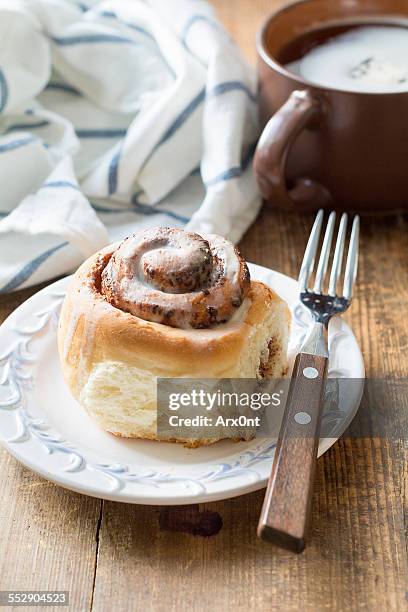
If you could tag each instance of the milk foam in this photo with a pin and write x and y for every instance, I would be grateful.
(371, 59)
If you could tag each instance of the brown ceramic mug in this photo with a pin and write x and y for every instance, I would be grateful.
(323, 146)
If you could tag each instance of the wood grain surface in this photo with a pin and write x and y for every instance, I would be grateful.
(113, 556)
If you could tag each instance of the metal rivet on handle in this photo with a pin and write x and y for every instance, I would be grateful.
(310, 373)
(302, 418)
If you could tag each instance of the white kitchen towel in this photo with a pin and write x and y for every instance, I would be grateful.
(114, 116)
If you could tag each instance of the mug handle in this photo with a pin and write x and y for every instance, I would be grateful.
(301, 110)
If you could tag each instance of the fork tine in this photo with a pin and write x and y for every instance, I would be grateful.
(352, 260)
(338, 255)
(310, 252)
(325, 254)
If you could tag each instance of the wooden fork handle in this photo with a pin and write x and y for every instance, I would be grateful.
(286, 509)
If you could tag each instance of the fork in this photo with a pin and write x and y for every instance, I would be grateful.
(286, 510)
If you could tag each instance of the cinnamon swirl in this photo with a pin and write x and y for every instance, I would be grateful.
(164, 303)
(176, 278)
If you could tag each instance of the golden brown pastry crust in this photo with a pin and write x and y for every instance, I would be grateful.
(92, 330)
(86, 315)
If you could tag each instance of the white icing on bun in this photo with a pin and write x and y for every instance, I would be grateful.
(177, 278)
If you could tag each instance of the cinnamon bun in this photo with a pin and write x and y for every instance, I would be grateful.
(164, 303)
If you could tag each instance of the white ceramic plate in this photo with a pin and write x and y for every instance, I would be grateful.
(45, 428)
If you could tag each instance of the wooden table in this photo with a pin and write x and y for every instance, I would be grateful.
(114, 556)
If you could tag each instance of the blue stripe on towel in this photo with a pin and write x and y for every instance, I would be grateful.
(136, 28)
(18, 127)
(3, 91)
(145, 209)
(108, 14)
(102, 133)
(218, 90)
(64, 87)
(234, 171)
(16, 144)
(59, 184)
(228, 86)
(113, 171)
(91, 38)
(142, 209)
(108, 210)
(182, 117)
(191, 21)
(29, 269)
